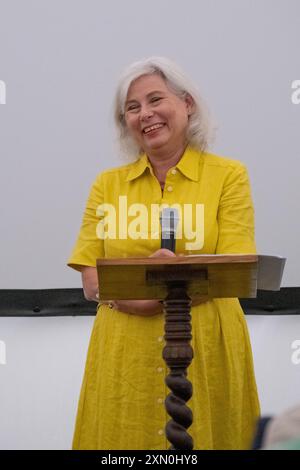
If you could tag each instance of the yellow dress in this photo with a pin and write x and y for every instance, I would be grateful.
(121, 404)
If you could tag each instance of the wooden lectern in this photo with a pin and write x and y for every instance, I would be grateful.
(177, 281)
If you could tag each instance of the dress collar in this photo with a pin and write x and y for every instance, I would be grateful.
(138, 167)
(188, 165)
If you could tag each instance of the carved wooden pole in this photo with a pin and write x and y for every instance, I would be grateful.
(178, 355)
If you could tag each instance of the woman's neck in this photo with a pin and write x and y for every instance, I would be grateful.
(162, 163)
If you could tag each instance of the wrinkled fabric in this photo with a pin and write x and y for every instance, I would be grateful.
(121, 403)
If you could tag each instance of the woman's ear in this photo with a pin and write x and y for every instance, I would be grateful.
(189, 104)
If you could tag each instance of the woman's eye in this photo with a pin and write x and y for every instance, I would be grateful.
(155, 98)
(132, 107)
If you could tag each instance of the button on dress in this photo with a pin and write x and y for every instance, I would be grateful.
(121, 404)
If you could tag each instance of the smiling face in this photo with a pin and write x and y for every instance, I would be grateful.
(156, 118)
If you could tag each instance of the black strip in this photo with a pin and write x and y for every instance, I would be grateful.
(138, 458)
(283, 302)
(71, 302)
(44, 303)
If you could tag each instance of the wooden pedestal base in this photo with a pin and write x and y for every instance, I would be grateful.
(178, 355)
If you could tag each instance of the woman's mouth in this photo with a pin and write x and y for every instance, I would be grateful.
(152, 129)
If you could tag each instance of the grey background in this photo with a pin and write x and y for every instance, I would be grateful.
(60, 61)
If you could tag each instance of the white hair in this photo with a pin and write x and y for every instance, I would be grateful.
(199, 130)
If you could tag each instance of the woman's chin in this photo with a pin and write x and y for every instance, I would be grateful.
(156, 144)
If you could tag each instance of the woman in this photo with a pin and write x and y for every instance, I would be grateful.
(163, 125)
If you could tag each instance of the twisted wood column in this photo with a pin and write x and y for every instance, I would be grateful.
(178, 355)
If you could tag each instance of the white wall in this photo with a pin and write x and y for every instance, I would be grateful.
(41, 380)
(59, 61)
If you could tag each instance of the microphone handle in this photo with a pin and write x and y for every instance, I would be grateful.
(169, 243)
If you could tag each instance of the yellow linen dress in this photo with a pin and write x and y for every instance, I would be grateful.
(121, 404)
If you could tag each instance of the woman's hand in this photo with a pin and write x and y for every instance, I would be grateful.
(144, 308)
(162, 253)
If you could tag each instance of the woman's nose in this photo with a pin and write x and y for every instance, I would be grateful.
(146, 113)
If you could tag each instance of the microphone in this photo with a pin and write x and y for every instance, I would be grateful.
(169, 219)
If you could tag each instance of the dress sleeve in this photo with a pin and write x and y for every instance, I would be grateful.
(88, 246)
(236, 214)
